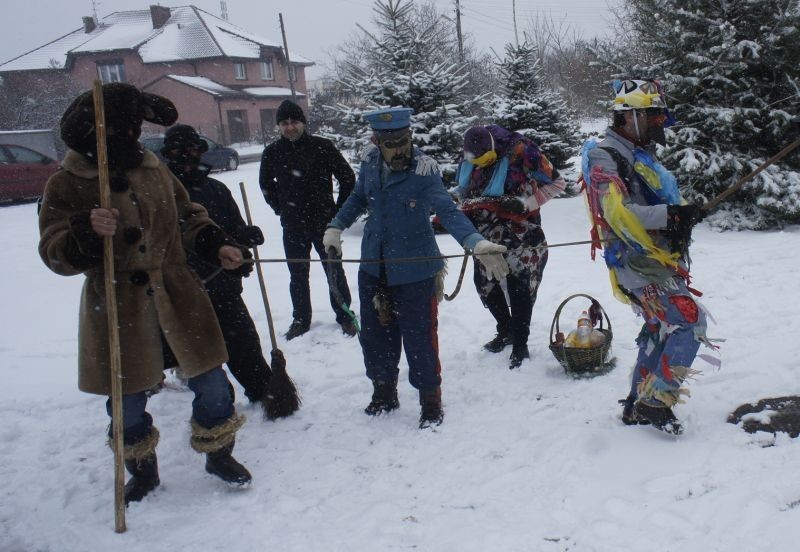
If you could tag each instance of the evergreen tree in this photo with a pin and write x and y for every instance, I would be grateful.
(731, 71)
(530, 107)
(406, 65)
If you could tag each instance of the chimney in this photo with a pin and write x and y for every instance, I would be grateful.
(88, 24)
(159, 15)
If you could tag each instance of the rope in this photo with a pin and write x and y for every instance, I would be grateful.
(402, 259)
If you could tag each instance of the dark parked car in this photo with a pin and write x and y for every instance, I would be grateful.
(218, 157)
(23, 173)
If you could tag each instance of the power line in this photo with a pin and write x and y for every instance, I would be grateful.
(487, 20)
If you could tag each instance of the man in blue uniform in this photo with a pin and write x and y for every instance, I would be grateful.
(400, 186)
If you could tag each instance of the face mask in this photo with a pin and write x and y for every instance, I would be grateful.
(484, 160)
(123, 146)
(396, 149)
(184, 156)
(656, 134)
(655, 127)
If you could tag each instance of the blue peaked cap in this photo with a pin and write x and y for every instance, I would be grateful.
(389, 118)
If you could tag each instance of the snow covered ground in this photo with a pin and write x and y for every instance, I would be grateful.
(529, 460)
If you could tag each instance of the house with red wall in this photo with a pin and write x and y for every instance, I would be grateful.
(225, 81)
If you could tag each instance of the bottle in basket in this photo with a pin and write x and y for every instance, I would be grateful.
(584, 335)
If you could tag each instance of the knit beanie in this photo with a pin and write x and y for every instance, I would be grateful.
(478, 141)
(289, 110)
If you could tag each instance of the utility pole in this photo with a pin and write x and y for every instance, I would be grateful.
(458, 31)
(288, 63)
(514, 13)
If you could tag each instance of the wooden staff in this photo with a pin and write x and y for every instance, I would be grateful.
(742, 181)
(282, 398)
(111, 310)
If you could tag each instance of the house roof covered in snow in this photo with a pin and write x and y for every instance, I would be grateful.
(187, 33)
(216, 89)
(270, 91)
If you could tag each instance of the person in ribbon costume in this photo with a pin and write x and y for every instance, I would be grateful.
(638, 212)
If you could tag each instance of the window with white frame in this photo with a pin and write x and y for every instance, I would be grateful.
(113, 71)
(240, 71)
(292, 73)
(266, 70)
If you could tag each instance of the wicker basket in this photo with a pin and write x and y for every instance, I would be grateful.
(582, 360)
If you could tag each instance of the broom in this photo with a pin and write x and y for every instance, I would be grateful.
(282, 398)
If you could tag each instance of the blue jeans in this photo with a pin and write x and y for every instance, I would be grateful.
(212, 406)
(297, 245)
(413, 327)
(667, 345)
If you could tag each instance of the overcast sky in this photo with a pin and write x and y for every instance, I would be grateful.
(314, 27)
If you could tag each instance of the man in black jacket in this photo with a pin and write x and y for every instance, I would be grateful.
(296, 180)
(182, 149)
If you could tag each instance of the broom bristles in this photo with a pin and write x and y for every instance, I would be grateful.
(282, 398)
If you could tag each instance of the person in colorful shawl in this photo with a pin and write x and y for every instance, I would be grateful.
(503, 181)
(645, 227)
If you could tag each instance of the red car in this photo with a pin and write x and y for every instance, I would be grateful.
(23, 173)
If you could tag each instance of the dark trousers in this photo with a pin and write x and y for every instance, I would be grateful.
(297, 245)
(413, 327)
(522, 284)
(245, 357)
(212, 406)
(515, 321)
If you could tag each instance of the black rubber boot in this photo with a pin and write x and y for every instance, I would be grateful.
(661, 417)
(518, 354)
(431, 413)
(629, 417)
(225, 466)
(498, 343)
(145, 478)
(348, 328)
(384, 398)
(296, 329)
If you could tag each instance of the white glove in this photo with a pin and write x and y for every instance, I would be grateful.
(490, 255)
(332, 239)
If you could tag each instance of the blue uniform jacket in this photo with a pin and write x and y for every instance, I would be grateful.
(398, 223)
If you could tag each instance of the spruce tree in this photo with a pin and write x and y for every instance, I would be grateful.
(527, 105)
(731, 71)
(405, 65)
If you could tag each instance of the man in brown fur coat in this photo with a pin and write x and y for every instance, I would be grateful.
(151, 220)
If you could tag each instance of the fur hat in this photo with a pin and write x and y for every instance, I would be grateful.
(125, 109)
(182, 138)
(289, 110)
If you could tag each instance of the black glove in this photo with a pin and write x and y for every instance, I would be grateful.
(512, 204)
(89, 243)
(691, 214)
(680, 221)
(246, 268)
(252, 235)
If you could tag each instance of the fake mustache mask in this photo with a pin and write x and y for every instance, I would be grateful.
(396, 150)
